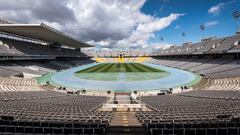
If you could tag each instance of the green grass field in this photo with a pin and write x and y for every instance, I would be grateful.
(121, 71)
(120, 68)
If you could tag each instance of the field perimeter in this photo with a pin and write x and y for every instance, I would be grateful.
(119, 68)
(120, 81)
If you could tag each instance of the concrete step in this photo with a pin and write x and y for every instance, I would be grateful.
(130, 130)
(125, 119)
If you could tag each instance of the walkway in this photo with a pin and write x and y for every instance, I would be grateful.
(124, 119)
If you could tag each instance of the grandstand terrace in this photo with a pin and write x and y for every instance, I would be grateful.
(22, 44)
(206, 46)
(37, 41)
(27, 107)
(53, 84)
(209, 107)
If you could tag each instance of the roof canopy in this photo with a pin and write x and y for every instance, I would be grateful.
(42, 32)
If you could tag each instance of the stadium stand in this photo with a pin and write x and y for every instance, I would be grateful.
(212, 106)
(209, 108)
(25, 48)
(175, 114)
(141, 59)
(52, 112)
(26, 107)
(122, 60)
(226, 44)
(206, 46)
(208, 67)
(37, 68)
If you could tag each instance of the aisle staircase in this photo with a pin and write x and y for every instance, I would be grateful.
(126, 123)
(124, 120)
(130, 130)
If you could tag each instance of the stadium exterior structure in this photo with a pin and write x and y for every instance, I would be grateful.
(38, 34)
(209, 47)
(211, 107)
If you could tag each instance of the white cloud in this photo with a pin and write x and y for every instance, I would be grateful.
(102, 22)
(144, 32)
(211, 23)
(101, 43)
(215, 10)
(159, 46)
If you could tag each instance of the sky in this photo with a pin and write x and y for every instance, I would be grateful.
(143, 24)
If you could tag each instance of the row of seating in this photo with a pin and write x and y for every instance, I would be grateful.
(224, 84)
(222, 75)
(177, 114)
(37, 111)
(18, 47)
(206, 46)
(16, 68)
(115, 53)
(195, 131)
(17, 81)
(210, 68)
(26, 108)
(126, 60)
(50, 130)
(213, 94)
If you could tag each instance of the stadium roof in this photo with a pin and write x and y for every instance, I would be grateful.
(42, 32)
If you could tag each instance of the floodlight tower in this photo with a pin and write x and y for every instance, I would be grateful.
(161, 39)
(183, 36)
(236, 16)
(202, 27)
